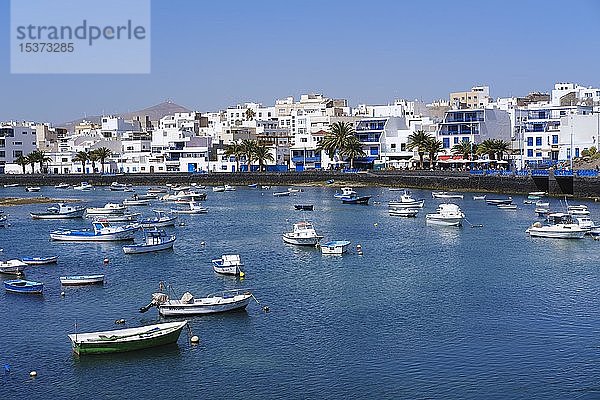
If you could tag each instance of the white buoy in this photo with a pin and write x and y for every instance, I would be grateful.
(202, 244)
(33, 374)
(375, 224)
(105, 260)
(195, 339)
(62, 294)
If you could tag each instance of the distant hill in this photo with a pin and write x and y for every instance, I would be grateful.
(155, 113)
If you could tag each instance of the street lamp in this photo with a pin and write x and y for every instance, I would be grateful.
(571, 157)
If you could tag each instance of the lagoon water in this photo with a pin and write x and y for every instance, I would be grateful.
(426, 312)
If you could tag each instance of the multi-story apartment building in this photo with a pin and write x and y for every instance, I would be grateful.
(477, 97)
(473, 125)
(16, 139)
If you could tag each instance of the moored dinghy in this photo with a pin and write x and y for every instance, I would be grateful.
(160, 219)
(79, 280)
(61, 211)
(40, 260)
(108, 209)
(12, 267)
(335, 247)
(228, 300)
(122, 340)
(23, 286)
(446, 215)
(102, 232)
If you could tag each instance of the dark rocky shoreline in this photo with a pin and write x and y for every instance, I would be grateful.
(435, 180)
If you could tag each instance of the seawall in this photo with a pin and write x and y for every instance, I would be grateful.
(435, 180)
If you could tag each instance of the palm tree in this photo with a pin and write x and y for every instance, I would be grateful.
(40, 157)
(102, 153)
(419, 140)
(262, 153)
(248, 149)
(352, 149)
(433, 147)
(501, 147)
(235, 149)
(488, 147)
(22, 161)
(93, 157)
(32, 159)
(82, 157)
(336, 140)
(250, 114)
(465, 149)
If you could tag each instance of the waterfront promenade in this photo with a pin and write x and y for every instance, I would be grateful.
(555, 185)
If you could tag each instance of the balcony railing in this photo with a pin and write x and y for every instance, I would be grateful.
(306, 159)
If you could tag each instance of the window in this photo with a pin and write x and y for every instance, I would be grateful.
(456, 140)
(64, 159)
(529, 141)
(303, 140)
(373, 151)
(576, 151)
(554, 139)
(538, 141)
(18, 143)
(2, 153)
(446, 143)
(17, 153)
(529, 152)
(402, 146)
(538, 153)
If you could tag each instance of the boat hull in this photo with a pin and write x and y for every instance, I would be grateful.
(135, 342)
(144, 248)
(39, 260)
(444, 221)
(68, 215)
(82, 280)
(337, 247)
(407, 204)
(556, 234)
(301, 241)
(33, 288)
(91, 237)
(176, 308)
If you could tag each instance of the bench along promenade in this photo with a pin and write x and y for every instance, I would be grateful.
(580, 183)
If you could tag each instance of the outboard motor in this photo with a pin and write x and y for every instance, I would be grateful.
(157, 298)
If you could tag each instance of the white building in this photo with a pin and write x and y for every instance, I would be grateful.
(16, 139)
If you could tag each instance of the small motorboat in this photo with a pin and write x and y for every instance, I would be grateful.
(578, 210)
(295, 190)
(61, 211)
(32, 188)
(303, 234)
(281, 194)
(345, 192)
(119, 187)
(194, 209)
(40, 260)
(356, 200)
(160, 220)
(506, 206)
(83, 186)
(446, 195)
(253, 185)
(265, 187)
(147, 196)
(403, 212)
(3, 219)
(157, 190)
(495, 202)
(335, 247)
(23, 286)
(304, 207)
(407, 201)
(122, 340)
(228, 300)
(229, 188)
(560, 226)
(102, 232)
(80, 280)
(479, 197)
(154, 240)
(9, 185)
(446, 215)
(228, 264)
(62, 186)
(542, 211)
(108, 209)
(218, 189)
(12, 267)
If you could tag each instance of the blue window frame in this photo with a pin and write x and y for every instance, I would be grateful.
(554, 139)
(446, 142)
(576, 151)
(456, 140)
(529, 152)
(465, 139)
(530, 141)
(373, 151)
(538, 141)
(538, 153)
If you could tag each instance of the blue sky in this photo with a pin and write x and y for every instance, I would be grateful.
(207, 55)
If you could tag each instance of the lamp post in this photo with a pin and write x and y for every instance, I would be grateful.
(571, 157)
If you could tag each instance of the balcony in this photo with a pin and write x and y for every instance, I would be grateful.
(306, 159)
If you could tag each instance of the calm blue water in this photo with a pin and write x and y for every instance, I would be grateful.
(426, 312)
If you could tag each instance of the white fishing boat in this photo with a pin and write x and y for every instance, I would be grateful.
(146, 196)
(281, 194)
(578, 210)
(403, 212)
(62, 186)
(157, 190)
(228, 264)
(227, 300)
(495, 202)
(506, 206)
(447, 215)
(32, 188)
(482, 197)
(185, 197)
(108, 209)
(3, 220)
(102, 232)
(586, 223)
(60, 211)
(12, 267)
(229, 188)
(79, 280)
(160, 220)
(335, 247)
(560, 226)
(119, 187)
(193, 209)
(407, 201)
(218, 189)
(154, 240)
(346, 192)
(83, 186)
(303, 234)
(542, 204)
(9, 185)
(446, 195)
(40, 260)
